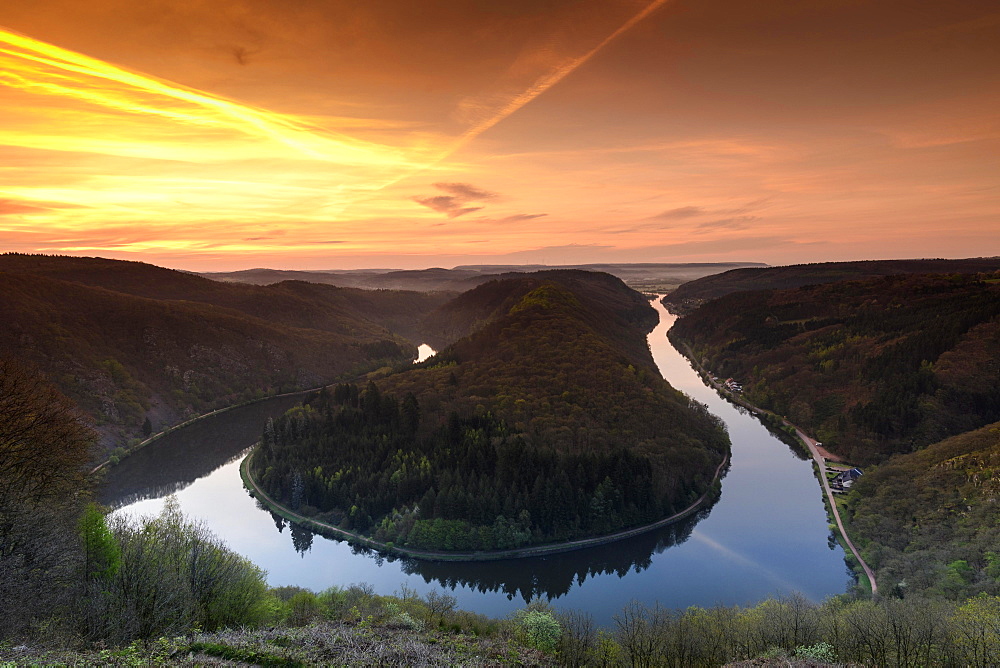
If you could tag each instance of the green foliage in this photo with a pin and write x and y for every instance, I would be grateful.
(303, 607)
(470, 485)
(173, 575)
(930, 521)
(101, 552)
(892, 632)
(821, 652)
(540, 629)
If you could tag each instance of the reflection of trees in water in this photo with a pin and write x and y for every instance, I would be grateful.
(157, 492)
(547, 577)
(302, 539)
(555, 575)
(181, 457)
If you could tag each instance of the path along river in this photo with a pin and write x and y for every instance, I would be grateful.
(766, 536)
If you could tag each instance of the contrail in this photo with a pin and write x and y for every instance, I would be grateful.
(549, 80)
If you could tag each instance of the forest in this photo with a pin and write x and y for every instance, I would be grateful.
(140, 348)
(870, 368)
(692, 294)
(538, 427)
(930, 521)
(351, 458)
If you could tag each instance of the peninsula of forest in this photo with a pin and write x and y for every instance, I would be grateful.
(543, 420)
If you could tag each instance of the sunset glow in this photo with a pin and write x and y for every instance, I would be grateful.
(336, 136)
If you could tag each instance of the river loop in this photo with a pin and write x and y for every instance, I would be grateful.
(766, 536)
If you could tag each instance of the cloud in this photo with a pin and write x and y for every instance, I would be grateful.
(518, 217)
(10, 207)
(454, 204)
(681, 212)
(734, 223)
(465, 191)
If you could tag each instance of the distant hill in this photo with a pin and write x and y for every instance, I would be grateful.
(129, 341)
(546, 421)
(871, 367)
(652, 277)
(930, 521)
(696, 292)
(292, 302)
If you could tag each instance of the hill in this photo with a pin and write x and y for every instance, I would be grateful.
(295, 303)
(608, 304)
(130, 341)
(930, 521)
(649, 276)
(872, 367)
(547, 422)
(696, 292)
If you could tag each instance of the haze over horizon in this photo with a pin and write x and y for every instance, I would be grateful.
(327, 134)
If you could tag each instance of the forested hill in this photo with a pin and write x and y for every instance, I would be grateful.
(869, 367)
(605, 302)
(294, 303)
(130, 341)
(541, 425)
(692, 294)
(930, 521)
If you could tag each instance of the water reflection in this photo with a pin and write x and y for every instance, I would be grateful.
(555, 576)
(174, 461)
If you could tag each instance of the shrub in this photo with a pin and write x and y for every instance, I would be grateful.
(539, 629)
(821, 652)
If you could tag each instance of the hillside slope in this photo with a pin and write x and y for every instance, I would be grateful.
(295, 303)
(121, 357)
(694, 293)
(870, 367)
(930, 520)
(129, 341)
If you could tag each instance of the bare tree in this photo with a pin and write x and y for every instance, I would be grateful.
(44, 447)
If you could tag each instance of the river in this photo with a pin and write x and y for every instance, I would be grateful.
(767, 535)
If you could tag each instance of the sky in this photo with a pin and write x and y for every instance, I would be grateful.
(335, 134)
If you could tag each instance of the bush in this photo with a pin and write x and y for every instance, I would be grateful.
(821, 652)
(539, 629)
(172, 575)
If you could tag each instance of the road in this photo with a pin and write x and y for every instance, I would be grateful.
(821, 463)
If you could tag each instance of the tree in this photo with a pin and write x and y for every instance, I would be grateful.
(44, 443)
(101, 552)
(44, 447)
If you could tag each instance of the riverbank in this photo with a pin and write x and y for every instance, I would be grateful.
(533, 551)
(769, 419)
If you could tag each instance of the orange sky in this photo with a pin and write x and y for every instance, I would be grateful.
(225, 134)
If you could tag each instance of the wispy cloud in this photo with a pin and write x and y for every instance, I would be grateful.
(680, 213)
(733, 223)
(519, 217)
(454, 204)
